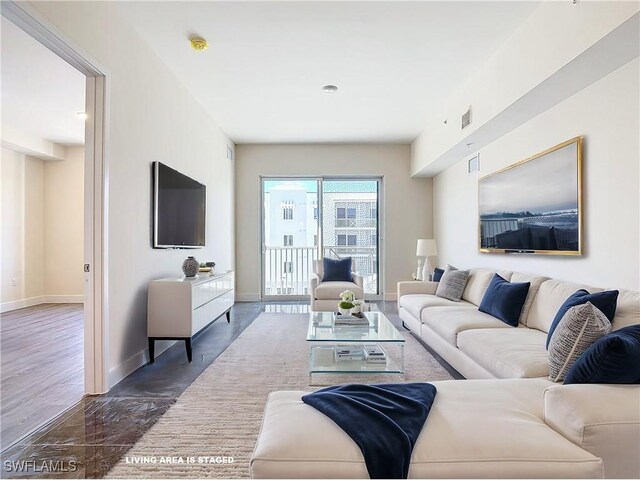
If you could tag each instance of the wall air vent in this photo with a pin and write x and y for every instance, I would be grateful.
(466, 118)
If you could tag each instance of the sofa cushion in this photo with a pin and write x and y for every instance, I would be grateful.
(614, 358)
(453, 443)
(449, 321)
(452, 283)
(548, 300)
(628, 309)
(437, 274)
(414, 304)
(478, 282)
(507, 352)
(534, 286)
(605, 301)
(336, 270)
(602, 419)
(579, 328)
(332, 291)
(504, 300)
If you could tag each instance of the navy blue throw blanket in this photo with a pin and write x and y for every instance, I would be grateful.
(384, 420)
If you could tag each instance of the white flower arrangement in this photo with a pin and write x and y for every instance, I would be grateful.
(348, 296)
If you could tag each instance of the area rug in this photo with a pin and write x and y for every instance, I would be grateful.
(220, 414)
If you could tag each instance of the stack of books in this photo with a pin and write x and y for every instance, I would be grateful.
(350, 320)
(349, 352)
(374, 354)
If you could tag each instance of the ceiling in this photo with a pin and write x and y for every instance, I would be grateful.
(41, 93)
(261, 78)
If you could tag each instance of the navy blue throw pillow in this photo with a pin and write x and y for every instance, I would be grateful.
(437, 274)
(336, 270)
(504, 300)
(614, 358)
(606, 302)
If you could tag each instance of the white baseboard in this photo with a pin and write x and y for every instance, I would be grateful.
(247, 297)
(390, 297)
(30, 302)
(126, 368)
(25, 302)
(63, 299)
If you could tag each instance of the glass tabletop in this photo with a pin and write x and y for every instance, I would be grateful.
(380, 329)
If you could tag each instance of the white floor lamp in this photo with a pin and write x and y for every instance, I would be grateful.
(426, 248)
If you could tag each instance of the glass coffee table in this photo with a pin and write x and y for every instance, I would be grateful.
(335, 349)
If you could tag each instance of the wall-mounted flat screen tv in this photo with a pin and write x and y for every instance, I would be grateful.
(534, 206)
(179, 209)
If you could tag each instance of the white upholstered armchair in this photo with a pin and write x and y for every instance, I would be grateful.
(326, 295)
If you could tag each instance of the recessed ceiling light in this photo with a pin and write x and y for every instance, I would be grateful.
(82, 115)
(329, 89)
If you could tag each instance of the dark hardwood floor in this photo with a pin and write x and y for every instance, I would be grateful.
(42, 366)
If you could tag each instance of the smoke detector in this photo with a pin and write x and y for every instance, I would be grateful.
(198, 44)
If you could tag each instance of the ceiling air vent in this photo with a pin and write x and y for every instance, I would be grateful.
(466, 118)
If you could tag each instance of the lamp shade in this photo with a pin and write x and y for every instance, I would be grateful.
(426, 247)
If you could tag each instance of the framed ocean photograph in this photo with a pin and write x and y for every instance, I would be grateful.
(534, 206)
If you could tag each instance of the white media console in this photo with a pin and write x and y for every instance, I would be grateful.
(179, 308)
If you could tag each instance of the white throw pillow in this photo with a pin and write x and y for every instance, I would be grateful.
(579, 328)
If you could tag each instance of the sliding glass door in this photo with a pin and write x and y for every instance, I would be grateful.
(306, 219)
(289, 235)
(350, 225)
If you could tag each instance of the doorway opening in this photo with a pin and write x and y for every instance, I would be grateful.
(53, 225)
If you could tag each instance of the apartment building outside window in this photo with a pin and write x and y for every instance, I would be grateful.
(287, 240)
(287, 210)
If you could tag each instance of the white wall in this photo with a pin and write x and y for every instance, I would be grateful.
(607, 115)
(64, 226)
(151, 116)
(550, 39)
(407, 202)
(42, 229)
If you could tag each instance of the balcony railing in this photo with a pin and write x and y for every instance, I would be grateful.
(287, 270)
(356, 223)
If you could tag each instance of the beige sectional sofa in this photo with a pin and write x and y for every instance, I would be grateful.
(506, 421)
(480, 346)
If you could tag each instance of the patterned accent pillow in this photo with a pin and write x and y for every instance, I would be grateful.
(452, 283)
(579, 328)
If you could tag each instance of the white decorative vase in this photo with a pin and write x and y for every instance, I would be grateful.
(344, 311)
(356, 309)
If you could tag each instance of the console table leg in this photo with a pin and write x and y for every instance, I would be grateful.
(187, 344)
(228, 316)
(152, 344)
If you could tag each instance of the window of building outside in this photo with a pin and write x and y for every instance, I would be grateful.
(287, 240)
(287, 267)
(287, 210)
(347, 239)
(315, 240)
(315, 213)
(342, 212)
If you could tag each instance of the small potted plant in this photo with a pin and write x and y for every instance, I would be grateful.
(357, 306)
(347, 298)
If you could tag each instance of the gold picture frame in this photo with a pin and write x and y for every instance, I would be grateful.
(550, 184)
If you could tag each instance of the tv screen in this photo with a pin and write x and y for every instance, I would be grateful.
(534, 206)
(179, 209)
